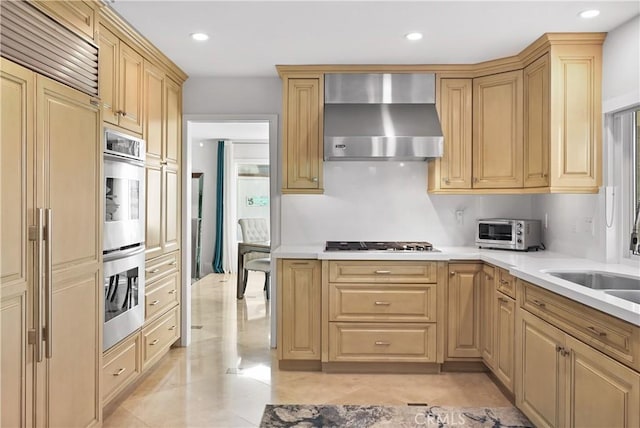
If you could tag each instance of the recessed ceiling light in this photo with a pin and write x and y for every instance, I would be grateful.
(413, 36)
(201, 37)
(592, 13)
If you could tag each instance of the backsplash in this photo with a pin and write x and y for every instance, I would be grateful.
(389, 201)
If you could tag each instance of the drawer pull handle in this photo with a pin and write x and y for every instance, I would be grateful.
(119, 372)
(489, 278)
(155, 342)
(153, 271)
(173, 327)
(504, 282)
(380, 343)
(173, 263)
(383, 272)
(539, 303)
(503, 299)
(155, 302)
(379, 303)
(172, 291)
(594, 330)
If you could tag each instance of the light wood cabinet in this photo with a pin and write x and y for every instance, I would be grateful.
(302, 149)
(564, 382)
(463, 316)
(487, 330)
(163, 135)
(497, 131)
(505, 319)
(120, 82)
(56, 156)
(299, 303)
(536, 123)
(121, 366)
(78, 16)
(453, 169)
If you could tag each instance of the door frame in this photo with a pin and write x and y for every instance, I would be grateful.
(274, 179)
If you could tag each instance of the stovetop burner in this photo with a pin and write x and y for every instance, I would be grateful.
(377, 246)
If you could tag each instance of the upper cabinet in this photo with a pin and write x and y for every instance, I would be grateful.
(302, 140)
(78, 16)
(497, 131)
(536, 123)
(120, 82)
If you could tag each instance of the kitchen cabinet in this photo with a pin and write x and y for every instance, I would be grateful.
(463, 315)
(163, 136)
(51, 160)
(302, 140)
(504, 341)
(453, 169)
(497, 131)
(78, 16)
(487, 331)
(563, 136)
(564, 382)
(120, 82)
(299, 305)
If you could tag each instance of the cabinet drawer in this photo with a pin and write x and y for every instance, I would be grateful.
(162, 266)
(159, 335)
(610, 335)
(382, 271)
(506, 283)
(382, 342)
(162, 295)
(121, 366)
(378, 302)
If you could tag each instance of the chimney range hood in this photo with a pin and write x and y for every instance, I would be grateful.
(381, 117)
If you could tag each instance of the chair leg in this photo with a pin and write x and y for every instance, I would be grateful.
(266, 284)
(244, 281)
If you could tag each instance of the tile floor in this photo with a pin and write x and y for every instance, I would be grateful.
(228, 373)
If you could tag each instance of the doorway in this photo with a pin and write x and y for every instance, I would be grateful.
(248, 144)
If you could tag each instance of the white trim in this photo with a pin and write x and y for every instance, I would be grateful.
(274, 172)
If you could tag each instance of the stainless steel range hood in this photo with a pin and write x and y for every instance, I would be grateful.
(381, 117)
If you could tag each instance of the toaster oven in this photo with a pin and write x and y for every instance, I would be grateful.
(509, 234)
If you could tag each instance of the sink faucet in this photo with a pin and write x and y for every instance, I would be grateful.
(635, 242)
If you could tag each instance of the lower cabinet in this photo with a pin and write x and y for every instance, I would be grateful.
(463, 304)
(299, 305)
(121, 366)
(487, 315)
(504, 351)
(564, 382)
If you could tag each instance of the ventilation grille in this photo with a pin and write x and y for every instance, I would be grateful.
(32, 39)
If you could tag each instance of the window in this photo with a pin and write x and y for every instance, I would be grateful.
(635, 178)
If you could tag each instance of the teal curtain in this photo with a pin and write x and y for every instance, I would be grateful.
(217, 249)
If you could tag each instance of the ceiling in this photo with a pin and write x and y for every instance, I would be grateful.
(248, 38)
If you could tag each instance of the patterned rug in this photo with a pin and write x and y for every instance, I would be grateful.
(329, 416)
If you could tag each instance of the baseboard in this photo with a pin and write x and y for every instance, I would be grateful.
(368, 367)
(464, 366)
(300, 365)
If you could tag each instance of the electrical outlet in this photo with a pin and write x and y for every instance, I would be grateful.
(460, 217)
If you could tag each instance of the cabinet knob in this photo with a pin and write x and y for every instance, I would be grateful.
(123, 113)
(446, 181)
(314, 179)
(452, 273)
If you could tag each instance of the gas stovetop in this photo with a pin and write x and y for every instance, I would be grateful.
(378, 246)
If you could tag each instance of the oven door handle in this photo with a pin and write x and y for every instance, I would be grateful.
(128, 160)
(117, 255)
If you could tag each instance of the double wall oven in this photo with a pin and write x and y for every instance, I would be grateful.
(123, 235)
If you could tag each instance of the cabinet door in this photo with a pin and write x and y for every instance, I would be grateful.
(576, 117)
(108, 76)
(497, 131)
(540, 370)
(154, 211)
(130, 89)
(302, 160)
(487, 311)
(173, 121)
(455, 115)
(68, 131)
(171, 221)
(504, 339)
(299, 298)
(153, 112)
(17, 201)
(463, 323)
(536, 123)
(601, 392)
(76, 15)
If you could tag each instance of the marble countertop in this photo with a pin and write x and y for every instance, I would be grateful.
(529, 266)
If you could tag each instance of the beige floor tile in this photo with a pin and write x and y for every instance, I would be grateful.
(228, 373)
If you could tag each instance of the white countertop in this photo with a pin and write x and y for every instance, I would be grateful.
(529, 266)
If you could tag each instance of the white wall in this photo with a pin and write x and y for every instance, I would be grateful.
(388, 201)
(569, 230)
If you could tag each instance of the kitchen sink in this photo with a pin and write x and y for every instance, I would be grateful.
(629, 295)
(599, 280)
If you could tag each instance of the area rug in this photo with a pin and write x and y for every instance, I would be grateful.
(330, 416)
